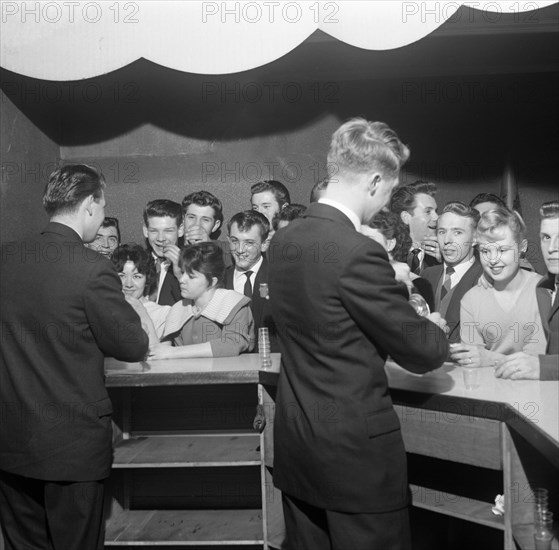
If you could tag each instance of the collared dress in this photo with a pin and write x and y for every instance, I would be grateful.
(226, 323)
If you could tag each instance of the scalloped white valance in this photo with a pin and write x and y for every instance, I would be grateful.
(70, 40)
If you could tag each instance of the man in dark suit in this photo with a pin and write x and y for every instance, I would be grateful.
(520, 365)
(248, 231)
(339, 457)
(62, 310)
(416, 205)
(163, 226)
(460, 269)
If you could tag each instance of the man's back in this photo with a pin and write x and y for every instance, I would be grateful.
(339, 312)
(62, 310)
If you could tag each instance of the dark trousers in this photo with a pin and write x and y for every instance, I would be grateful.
(312, 528)
(51, 515)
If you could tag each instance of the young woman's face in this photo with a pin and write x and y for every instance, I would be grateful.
(194, 285)
(133, 282)
(500, 256)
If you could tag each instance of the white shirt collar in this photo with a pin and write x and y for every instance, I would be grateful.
(344, 210)
(239, 277)
(459, 270)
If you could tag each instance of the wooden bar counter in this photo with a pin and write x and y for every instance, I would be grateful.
(464, 447)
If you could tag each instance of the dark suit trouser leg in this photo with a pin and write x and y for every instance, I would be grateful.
(306, 526)
(312, 528)
(47, 515)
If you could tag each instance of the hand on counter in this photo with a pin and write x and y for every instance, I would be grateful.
(161, 350)
(519, 366)
(439, 321)
(467, 355)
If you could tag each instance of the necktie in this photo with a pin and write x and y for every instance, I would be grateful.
(446, 284)
(413, 260)
(247, 291)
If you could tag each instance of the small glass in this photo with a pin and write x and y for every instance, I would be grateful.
(543, 530)
(471, 377)
(264, 348)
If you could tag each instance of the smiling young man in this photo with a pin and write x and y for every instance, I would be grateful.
(416, 205)
(269, 197)
(163, 226)
(107, 239)
(203, 218)
(460, 269)
(248, 231)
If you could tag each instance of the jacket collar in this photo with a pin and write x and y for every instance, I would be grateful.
(327, 212)
(63, 230)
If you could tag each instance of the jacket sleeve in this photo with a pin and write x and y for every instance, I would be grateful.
(237, 335)
(549, 367)
(379, 306)
(115, 325)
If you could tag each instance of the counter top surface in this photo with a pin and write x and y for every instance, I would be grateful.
(216, 370)
(534, 402)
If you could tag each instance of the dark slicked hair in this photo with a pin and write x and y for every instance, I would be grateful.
(247, 219)
(289, 213)
(204, 258)
(112, 222)
(461, 209)
(203, 198)
(487, 197)
(359, 147)
(162, 208)
(142, 260)
(69, 186)
(549, 210)
(392, 227)
(403, 198)
(276, 187)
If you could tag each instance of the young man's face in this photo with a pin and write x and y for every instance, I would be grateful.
(161, 232)
(105, 241)
(202, 217)
(423, 218)
(455, 235)
(246, 246)
(266, 204)
(549, 240)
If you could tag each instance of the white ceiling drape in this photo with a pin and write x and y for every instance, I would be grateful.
(70, 40)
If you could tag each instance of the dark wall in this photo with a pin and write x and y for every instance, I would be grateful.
(27, 156)
(471, 106)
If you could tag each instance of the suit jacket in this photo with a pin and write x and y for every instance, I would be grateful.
(170, 289)
(427, 262)
(259, 306)
(549, 363)
(62, 311)
(339, 313)
(468, 280)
